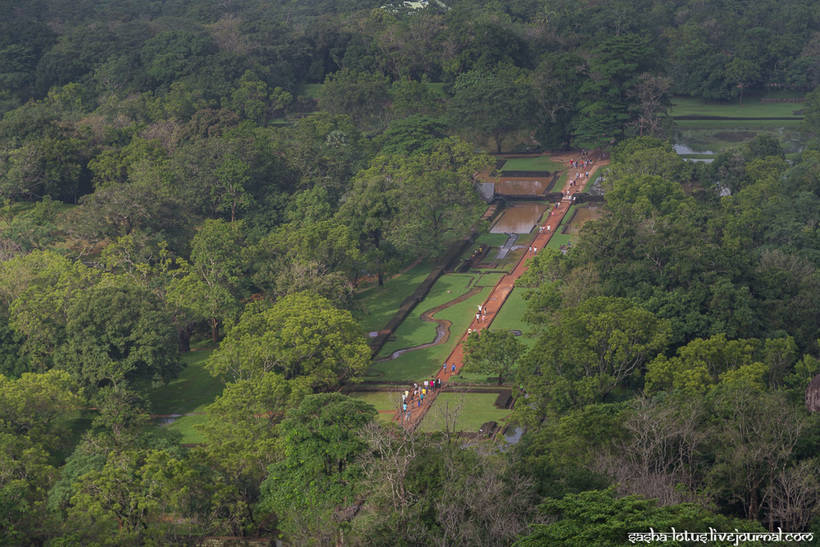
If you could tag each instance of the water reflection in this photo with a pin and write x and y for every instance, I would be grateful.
(519, 218)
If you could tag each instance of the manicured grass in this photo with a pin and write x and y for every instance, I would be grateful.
(377, 305)
(752, 108)
(386, 402)
(511, 316)
(417, 365)
(194, 389)
(413, 331)
(558, 185)
(471, 411)
(488, 279)
(493, 240)
(557, 240)
(538, 163)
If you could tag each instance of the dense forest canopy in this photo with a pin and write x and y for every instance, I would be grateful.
(227, 176)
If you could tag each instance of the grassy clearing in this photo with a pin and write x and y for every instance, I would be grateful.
(417, 365)
(186, 426)
(193, 390)
(472, 410)
(488, 279)
(385, 402)
(312, 91)
(378, 304)
(538, 163)
(413, 331)
(687, 106)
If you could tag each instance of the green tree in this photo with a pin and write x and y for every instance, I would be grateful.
(115, 334)
(492, 352)
(209, 290)
(491, 103)
(240, 443)
(590, 350)
(35, 414)
(124, 501)
(320, 443)
(600, 518)
(301, 335)
(361, 95)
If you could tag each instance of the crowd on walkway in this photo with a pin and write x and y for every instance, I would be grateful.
(413, 398)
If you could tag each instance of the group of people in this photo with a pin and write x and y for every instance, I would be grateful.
(481, 315)
(416, 394)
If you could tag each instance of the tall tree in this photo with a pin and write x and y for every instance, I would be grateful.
(317, 477)
(492, 352)
(301, 335)
(491, 103)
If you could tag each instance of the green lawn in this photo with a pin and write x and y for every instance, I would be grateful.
(557, 240)
(488, 279)
(194, 389)
(377, 305)
(538, 163)
(471, 411)
(417, 365)
(413, 331)
(558, 185)
(493, 240)
(752, 108)
(511, 316)
(386, 402)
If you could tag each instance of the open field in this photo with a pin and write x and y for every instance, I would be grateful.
(378, 304)
(471, 411)
(538, 163)
(488, 279)
(738, 124)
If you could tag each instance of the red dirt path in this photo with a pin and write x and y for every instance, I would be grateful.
(502, 289)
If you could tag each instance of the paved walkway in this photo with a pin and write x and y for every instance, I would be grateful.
(505, 285)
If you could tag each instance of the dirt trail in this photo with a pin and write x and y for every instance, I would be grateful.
(442, 325)
(505, 285)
